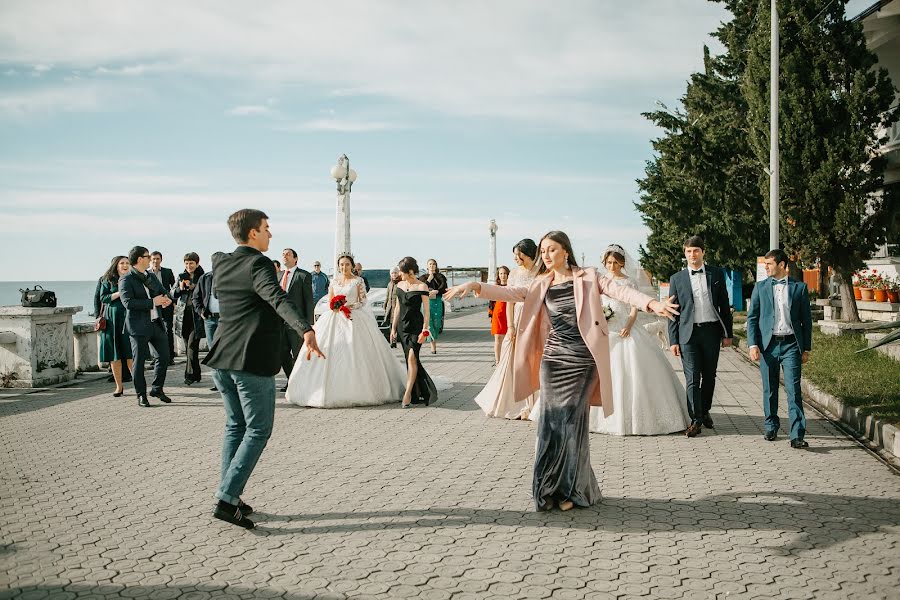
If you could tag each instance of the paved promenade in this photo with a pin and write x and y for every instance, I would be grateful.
(102, 499)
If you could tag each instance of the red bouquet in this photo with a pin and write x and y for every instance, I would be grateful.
(339, 303)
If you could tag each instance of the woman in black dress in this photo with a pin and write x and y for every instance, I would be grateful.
(410, 328)
(187, 322)
(115, 346)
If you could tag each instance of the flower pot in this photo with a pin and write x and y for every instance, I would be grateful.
(880, 295)
(866, 294)
(893, 296)
(856, 293)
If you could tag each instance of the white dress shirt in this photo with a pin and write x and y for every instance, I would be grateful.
(782, 303)
(290, 276)
(153, 314)
(703, 308)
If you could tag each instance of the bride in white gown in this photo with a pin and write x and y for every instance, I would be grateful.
(360, 370)
(648, 398)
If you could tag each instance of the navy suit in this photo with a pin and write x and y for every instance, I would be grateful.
(699, 342)
(781, 351)
(143, 330)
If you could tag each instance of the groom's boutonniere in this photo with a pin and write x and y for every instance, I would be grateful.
(608, 312)
(339, 303)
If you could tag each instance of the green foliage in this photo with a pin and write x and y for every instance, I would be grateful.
(833, 100)
(703, 179)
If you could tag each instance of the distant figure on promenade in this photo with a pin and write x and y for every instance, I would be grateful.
(188, 323)
(361, 370)
(648, 398)
(390, 299)
(319, 283)
(165, 277)
(562, 349)
(143, 298)
(497, 315)
(206, 305)
(703, 326)
(277, 266)
(437, 285)
(246, 354)
(297, 283)
(498, 397)
(115, 345)
(779, 330)
(410, 327)
(359, 273)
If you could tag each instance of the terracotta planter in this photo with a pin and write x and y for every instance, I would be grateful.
(880, 295)
(867, 294)
(893, 296)
(856, 293)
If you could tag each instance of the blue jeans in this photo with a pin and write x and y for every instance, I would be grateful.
(249, 415)
(784, 354)
(210, 325)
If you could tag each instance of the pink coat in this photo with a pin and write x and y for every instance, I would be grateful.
(534, 327)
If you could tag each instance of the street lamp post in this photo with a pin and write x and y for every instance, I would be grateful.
(774, 202)
(492, 258)
(345, 177)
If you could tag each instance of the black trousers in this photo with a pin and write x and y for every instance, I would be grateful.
(169, 319)
(140, 350)
(191, 333)
(700, 358)
(290, 346)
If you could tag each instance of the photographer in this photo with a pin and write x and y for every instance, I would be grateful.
(188, 323)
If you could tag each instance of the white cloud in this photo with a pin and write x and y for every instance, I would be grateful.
(567, 64)
(249, 110)
(338, 125)
(52, 99)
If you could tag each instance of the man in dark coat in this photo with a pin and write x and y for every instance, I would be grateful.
(144, 298)
(246, 354)
(167, 279)
(297, 283)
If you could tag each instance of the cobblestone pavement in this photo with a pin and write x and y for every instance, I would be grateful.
(102, 499)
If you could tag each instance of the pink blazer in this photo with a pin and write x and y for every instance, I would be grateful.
(534, 327)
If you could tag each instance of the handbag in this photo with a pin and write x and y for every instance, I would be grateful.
(100, 323)
(38, 297)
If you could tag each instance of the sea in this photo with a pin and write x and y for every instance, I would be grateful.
(68, 293)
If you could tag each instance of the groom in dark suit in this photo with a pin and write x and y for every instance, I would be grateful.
(779, 330)
(297, 283)
(246, 354)
(703, 326)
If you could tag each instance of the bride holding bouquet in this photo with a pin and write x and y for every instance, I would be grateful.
(361, 370)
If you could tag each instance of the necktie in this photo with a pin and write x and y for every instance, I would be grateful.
(284, 280)
(693, 272)
(780, 282)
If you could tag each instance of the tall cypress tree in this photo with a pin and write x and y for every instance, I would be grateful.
(833, 100)
(703, 178)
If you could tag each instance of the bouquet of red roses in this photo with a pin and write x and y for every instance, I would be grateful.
(339, 303)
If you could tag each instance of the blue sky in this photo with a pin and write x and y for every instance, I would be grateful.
(148, 123)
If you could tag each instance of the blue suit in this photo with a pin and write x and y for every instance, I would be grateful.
(780, 351)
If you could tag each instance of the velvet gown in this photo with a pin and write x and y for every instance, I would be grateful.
(408, 330)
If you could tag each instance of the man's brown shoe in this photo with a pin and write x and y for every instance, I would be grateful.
(693, 431)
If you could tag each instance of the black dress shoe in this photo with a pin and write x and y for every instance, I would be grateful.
(693, 431)
(799, 443)
(770, 436)
(188, 382)
(161, 395)
(232, 514)
(214, 389)
(707, 421)
(142, 401)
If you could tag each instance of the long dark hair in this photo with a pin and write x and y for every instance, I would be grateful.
(527, 247)
(112, 273)
(563, 240)
(504, 268)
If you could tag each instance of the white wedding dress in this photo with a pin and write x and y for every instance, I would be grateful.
(359, 368)
(648, 398)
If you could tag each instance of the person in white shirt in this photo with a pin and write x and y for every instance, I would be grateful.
(297, 283)
(779, 334)
(703, 326)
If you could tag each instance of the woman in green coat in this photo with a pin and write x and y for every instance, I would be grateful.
(115, 345)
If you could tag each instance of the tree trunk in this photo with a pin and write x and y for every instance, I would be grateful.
(824, 286)
(849, 311)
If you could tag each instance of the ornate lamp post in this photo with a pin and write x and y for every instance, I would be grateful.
(492, 259)
(345, 177)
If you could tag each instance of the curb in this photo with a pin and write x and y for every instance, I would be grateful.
(877, 436)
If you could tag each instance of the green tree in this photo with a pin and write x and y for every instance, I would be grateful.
(833, 102)
(703, 177)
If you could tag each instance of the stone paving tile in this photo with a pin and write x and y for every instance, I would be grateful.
(101, 499)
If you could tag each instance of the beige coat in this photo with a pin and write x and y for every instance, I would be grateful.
(534, 327)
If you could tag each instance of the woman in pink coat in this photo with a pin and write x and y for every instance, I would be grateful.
(562, 349)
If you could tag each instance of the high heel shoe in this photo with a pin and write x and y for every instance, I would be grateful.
(118, 394)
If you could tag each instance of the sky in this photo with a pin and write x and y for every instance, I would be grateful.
(125, 123)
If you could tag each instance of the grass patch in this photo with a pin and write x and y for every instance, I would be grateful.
(868, 381)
